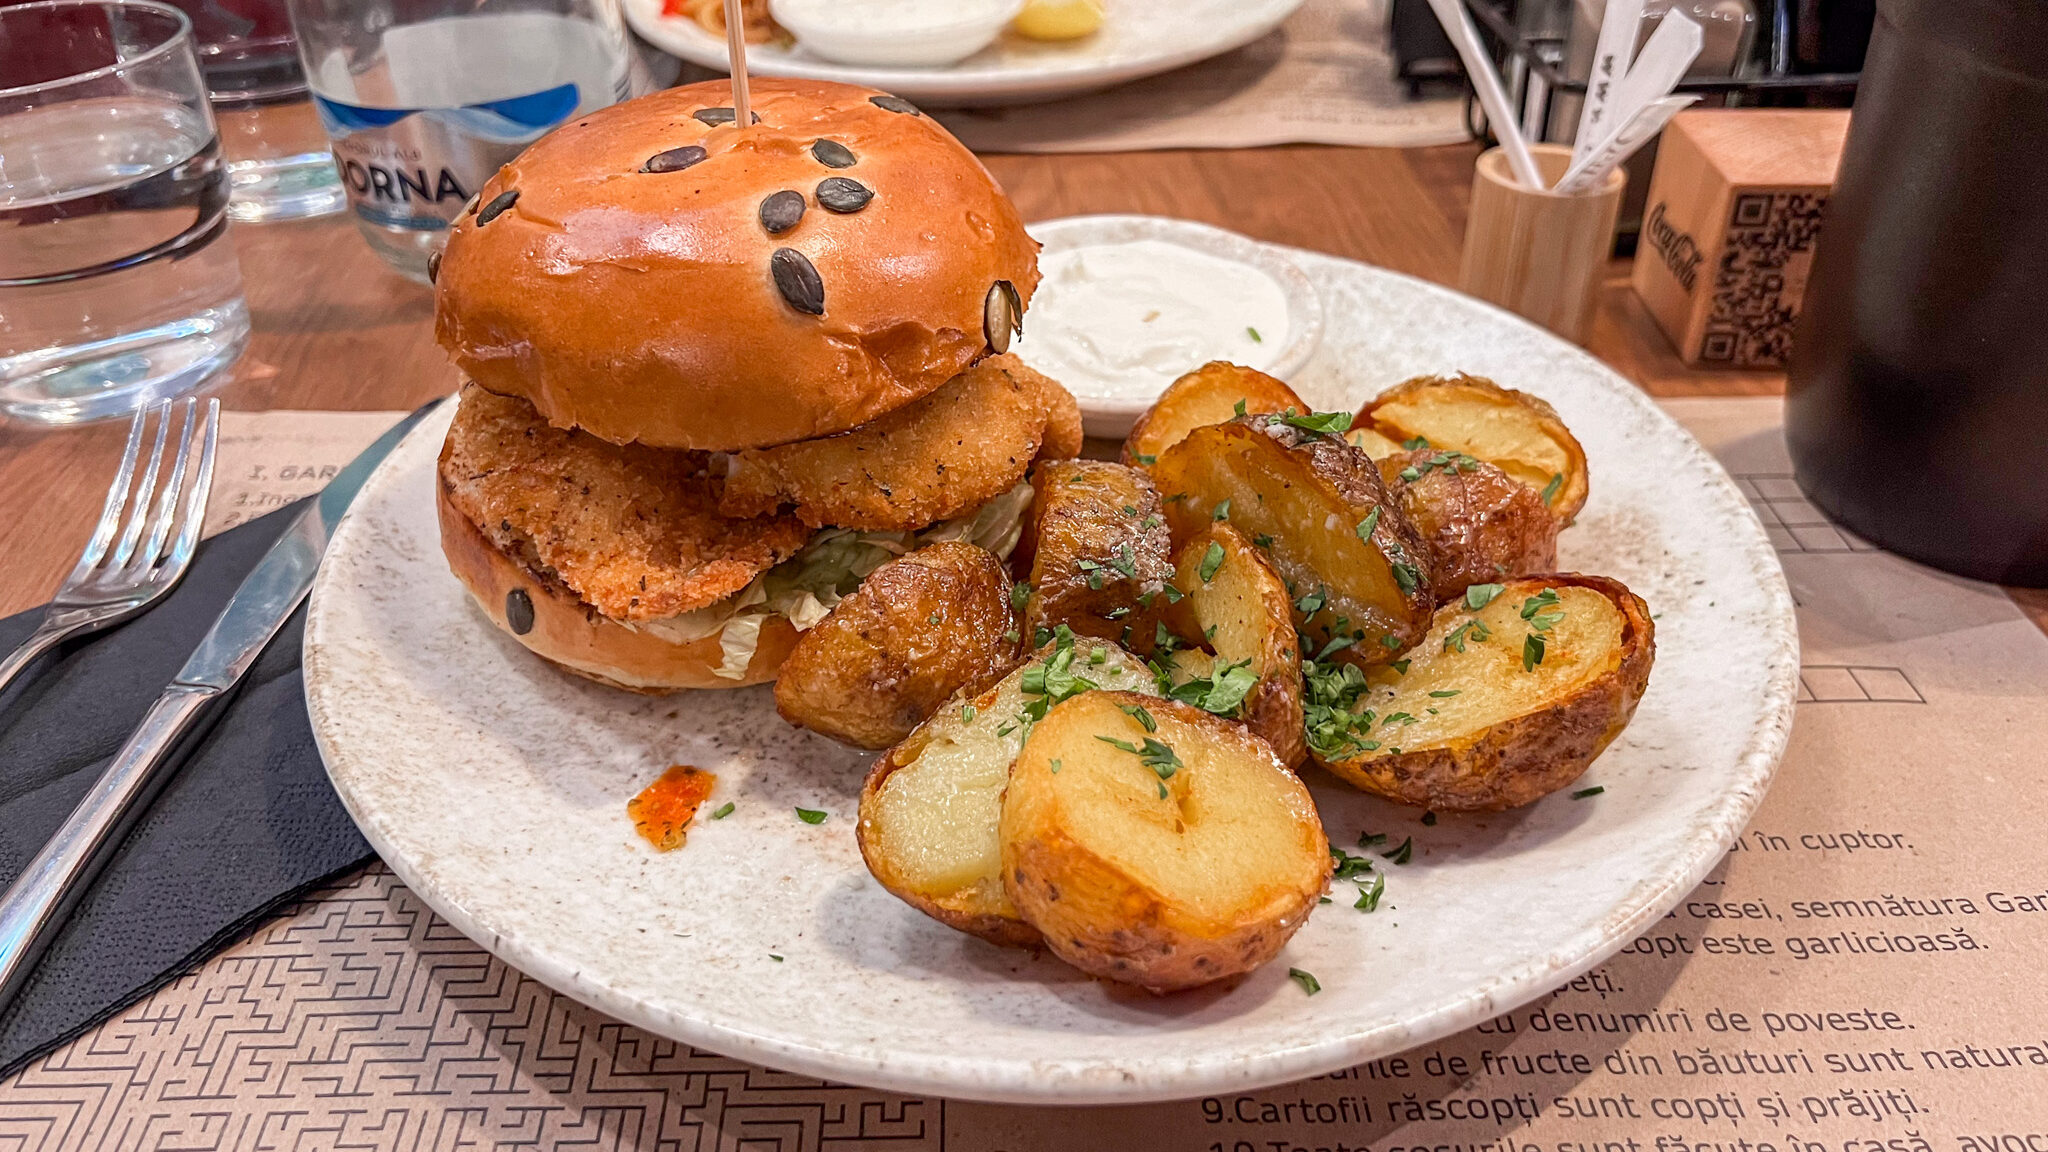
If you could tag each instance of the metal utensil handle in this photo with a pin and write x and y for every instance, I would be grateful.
(42, 896)
(47, 635)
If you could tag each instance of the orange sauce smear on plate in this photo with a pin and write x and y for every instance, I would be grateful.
(663, 811)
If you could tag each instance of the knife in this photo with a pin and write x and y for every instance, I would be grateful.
(43, 895)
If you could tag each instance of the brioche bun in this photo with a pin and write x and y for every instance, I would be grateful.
(576, 637)
(642, 305)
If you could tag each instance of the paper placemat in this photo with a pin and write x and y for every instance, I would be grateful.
(1865, 973)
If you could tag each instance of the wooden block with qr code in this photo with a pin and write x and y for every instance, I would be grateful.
(1730, 227)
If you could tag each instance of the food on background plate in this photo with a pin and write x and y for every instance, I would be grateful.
(649, 294)
(1518, 433)
(1515, 690)
(1317, 508)
(1480, 525)
(758, 26)
(895, 33)
(918, 629)
(1154, 844)
(930, 807)
(1095, 550)
(1234, 651)
(1211, 394)
(1058, 19)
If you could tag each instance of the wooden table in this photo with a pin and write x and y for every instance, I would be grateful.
(335, 329)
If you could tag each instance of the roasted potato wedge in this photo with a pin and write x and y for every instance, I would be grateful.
(1208, 395)
(1480, 525)
(1317, 507)
(1518, 433)
(1095, 549)
(1372, 443)
(1504, 704)
(1244, 617)
(918, 629)
(930, 807)
(1154, 844)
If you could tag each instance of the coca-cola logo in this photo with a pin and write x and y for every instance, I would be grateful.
(1680, 252)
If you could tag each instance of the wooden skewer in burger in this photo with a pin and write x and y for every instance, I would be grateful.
(729, 349)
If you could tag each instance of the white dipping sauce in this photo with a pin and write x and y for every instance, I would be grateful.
(1122, 321)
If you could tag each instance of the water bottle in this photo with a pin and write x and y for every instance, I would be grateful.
(425, 99)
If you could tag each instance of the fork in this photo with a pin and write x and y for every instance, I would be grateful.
(129, 566)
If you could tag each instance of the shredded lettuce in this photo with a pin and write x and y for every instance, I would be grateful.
(808, 585)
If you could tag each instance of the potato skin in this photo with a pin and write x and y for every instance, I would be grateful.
(1524, 759)
(1245, 598)
(919, 628)
(1077, 519)
(1480, 524)
(1467, 391)
(1208, 395)
(1107, 922)
(1344, 487)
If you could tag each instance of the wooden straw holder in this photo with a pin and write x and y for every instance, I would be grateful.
(1536, 253)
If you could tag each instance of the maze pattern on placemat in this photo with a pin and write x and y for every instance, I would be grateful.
(361, 1020)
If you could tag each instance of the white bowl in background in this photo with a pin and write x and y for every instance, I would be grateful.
(1112, 416)
(851, 33)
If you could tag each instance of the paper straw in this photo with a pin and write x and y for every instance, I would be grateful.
(1611, 54)
(1458, 26)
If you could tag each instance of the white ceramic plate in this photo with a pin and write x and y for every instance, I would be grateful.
(1137, 38)
(496, 786)
(1112, 416)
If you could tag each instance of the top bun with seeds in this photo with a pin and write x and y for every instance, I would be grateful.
(655, 273)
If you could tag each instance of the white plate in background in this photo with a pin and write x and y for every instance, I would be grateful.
(1138, 38)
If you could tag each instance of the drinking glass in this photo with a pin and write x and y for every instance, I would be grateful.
(279, 167)
(425, 99)
(117, 283)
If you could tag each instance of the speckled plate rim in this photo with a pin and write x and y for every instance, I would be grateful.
(1106, 417)
(960, 85)
(984, 1076)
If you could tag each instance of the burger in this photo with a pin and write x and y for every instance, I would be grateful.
(718, 372)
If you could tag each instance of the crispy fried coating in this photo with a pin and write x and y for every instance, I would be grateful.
(930, 460)
(634, 531)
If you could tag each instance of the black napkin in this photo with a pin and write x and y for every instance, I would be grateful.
(247, 824)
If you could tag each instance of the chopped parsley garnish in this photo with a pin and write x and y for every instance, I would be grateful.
(1137, 712)
(1263, 541)
(1411, 473)
(1417, 442)
(1099, 656)
(1130, 510)
(1365, 526)
(1346, 866)
(1163, 640)
(968, 713)
(1320, 423)
(1369, 894)
(1313, 603)
(1176, 498)
(1011, 636)
(1173, 594)
(1212, 560)
(1019, 593)
(1402, 854)
(1390, 642)
(1532, 652)
(774, 957)
(1477, 630)
(1446, 693)
(1550, 489)
(810, 815)
(1056, 766)
(1308, 982)
(1222, 511)
(1144, 460)
(1581, 794)
(1256, 339)
(1400, 667)
(1480, 595)
(1331, 691)
(1221, 692)
(1238, 407)
(1052, 681)
(1116, 613)
(1126, 562)
(1406, 576)
(724, 810)
(1159, 757)
(1371, 839)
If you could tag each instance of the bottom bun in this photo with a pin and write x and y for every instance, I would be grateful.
(576, 637)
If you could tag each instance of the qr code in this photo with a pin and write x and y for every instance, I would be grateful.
(1761, 277)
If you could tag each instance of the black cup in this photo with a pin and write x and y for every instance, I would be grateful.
(1917, 412)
